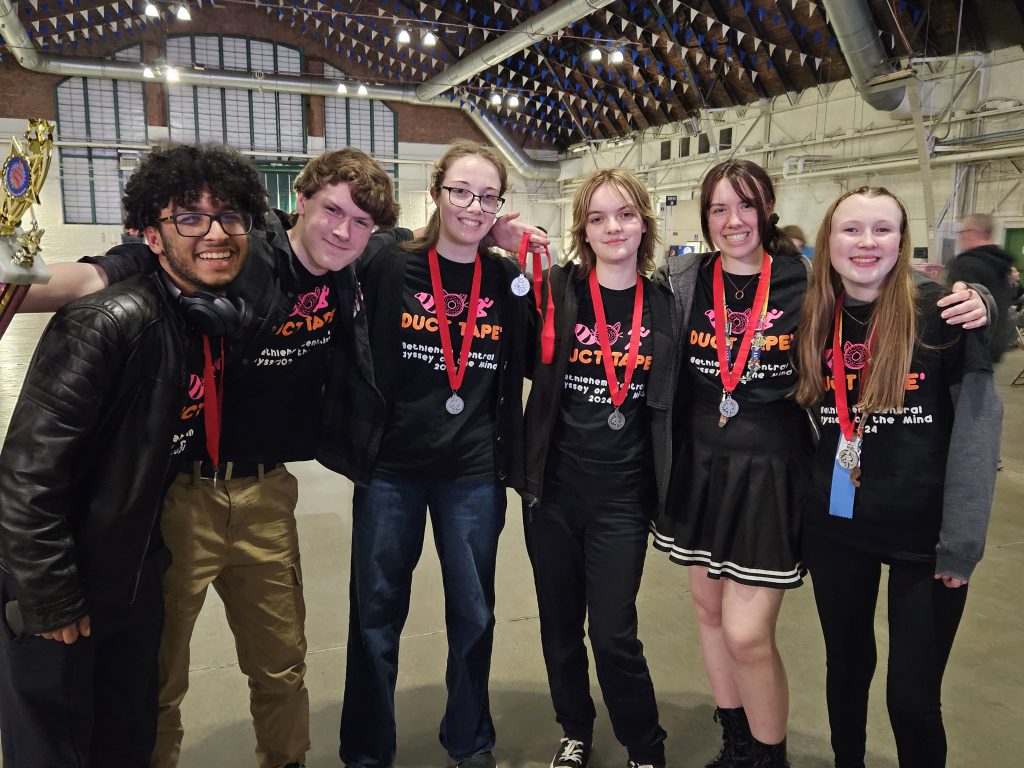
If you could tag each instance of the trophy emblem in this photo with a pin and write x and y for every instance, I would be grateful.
(21, 178)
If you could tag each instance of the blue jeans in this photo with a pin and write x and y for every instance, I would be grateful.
(388, 521)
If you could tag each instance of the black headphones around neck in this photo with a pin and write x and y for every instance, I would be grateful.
(207, 313)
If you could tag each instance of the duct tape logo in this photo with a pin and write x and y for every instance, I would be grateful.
(17, 176)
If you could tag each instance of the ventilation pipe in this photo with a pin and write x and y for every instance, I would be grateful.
(858, 39)
(20, 45)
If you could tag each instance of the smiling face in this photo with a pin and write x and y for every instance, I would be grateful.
(864, 243)
(331, 230)
(207, 263)
(614, 227)
(734, 227)
(462, 229)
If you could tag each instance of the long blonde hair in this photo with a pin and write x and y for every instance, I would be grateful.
(893, 321)
(634, 193)
(458, 149)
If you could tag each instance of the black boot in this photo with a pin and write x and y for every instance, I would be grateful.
(736, 739)
(769, 755)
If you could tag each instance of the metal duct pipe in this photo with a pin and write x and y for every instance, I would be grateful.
(885, 166)
(857, 34)
(537, 27)
(17, 39)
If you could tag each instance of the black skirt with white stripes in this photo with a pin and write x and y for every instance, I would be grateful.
(736, 492)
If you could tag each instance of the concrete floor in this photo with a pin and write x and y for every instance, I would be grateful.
(984, 687)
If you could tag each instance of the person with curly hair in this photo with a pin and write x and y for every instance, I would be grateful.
(112, 394)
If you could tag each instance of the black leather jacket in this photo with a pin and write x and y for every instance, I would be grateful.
(83, 468)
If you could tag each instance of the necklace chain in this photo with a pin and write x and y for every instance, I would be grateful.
(739, 292)
(856, 320)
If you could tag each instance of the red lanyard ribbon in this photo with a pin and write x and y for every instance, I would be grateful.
(617, 393)
(847, 423)
(213, 401)
(454, 377)
(547, 316)
(731, 374)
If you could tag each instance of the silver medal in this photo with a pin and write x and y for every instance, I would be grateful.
(848, 457)
(616, 420)
(454, 404)
(520, 285)
(728, 407)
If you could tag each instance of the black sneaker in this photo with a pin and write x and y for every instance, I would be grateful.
(572, 753)
(635, 764)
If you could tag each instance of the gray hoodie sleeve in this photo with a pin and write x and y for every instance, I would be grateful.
(970, 474)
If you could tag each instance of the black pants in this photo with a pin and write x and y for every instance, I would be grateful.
(588, 560)
(923, 619)
(91, 704)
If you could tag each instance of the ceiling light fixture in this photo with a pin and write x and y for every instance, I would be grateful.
(496, 99)
(152, 11)
(595, 54)
(342, 88)
(429, 39)
(147, 72)
(403, 36)
(361, 90)
(617, 56)
(182, 13)
(171, 75)
(512, 101)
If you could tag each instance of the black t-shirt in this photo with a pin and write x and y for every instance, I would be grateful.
(588, 460)
(775, 378)
(189, 441)
(272, 402)
(897, 510)
(421, 439)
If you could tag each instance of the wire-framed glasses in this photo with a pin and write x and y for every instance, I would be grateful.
(463, 198)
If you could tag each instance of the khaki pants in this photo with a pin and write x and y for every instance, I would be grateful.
(239, 536)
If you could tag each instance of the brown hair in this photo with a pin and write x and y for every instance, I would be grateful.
(634, 193)
(754, 187)
(458, 149)
(368, 183)
(894, 315)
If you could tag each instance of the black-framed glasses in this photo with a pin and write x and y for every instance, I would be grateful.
(464, 198)
(198, 224)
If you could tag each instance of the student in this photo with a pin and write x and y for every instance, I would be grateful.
(598, 425)
(743, 448)
(903, 475)
(229, 520)
(733, 508)
(111, 394)
(448, 339)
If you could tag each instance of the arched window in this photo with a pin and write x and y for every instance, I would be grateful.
(247, 120)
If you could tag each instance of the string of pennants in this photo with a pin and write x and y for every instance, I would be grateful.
(550, 74)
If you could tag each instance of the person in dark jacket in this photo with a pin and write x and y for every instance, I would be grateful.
(598, 440)
(117, 386)
(982, 261)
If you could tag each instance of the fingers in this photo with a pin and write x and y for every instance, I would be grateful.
(84, 627)
(70, 633)
(951, 582)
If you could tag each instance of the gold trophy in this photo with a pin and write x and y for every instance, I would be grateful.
(21, 179)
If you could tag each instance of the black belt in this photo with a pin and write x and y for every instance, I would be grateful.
(231, 469)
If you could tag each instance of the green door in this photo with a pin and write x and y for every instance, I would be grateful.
(279, 179)
(1015, 245)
